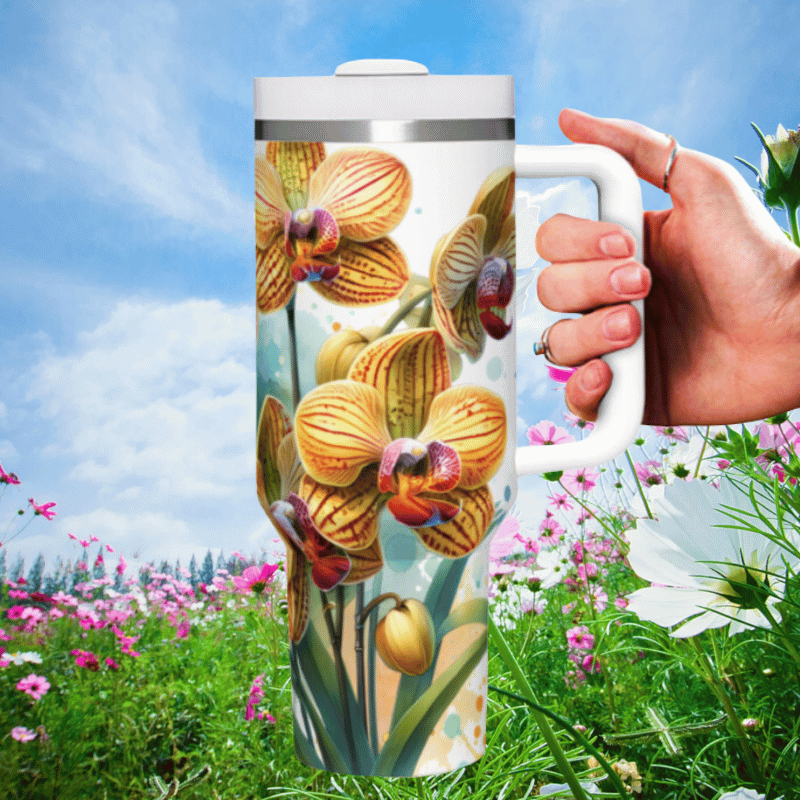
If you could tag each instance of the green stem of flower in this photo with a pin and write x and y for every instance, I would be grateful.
(610, 531)
(791, 212)
(541, 720)
(293, 352)
(702, 451)
(638, 484)
(359, 648)
(711, 679)
(401, 312)
(779, 629)
(361, 618)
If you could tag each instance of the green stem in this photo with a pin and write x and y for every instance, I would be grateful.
(639, 484)
(702, 450)
(779, 629)
(718, 689)
(574, 734)
(293, 352)
(610, 531)
(791, 212)
(401, 312)
(541, 719)
(359, 647)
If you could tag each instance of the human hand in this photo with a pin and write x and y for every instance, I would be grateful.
(721, 284)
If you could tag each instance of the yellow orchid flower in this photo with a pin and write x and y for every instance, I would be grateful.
(395, 434)
(472, 269)
(278, 475)
(325, 221)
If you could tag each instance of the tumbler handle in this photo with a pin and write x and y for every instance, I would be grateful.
(620, 201)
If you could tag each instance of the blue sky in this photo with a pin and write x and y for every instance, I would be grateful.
(127, 384)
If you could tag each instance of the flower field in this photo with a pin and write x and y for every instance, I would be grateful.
(645, 643)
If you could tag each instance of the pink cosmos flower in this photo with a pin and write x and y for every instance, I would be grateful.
(580, 480)
(579, 638)
(44, 509)
(122, 565)
(505, 540)
(575, 678)
(93, 538)
(254, 579)
(546, 432)
(22, 734)
(8, 477)
(577, 422)
(109, 548)
(17, 594)
(648, 473)
(675, 433)
(34, 685)
(591, 664)
(112, 664)
(86, 659)
(550, 530)
(561, 501)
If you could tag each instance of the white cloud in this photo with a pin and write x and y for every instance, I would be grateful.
(157, 399)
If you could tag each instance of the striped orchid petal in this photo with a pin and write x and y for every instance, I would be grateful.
(271, 206)
(467, 529)
(506, 246)
(290, 467)
(457, 260)
(345, 515)
(273, 426)
(367, 191)
(340, 428)
(295, 163)
(408, 369)
(369, 273)
(461, 325)
(274, 284)
(495, 201)
(416, 511)
(471, 420)
(365, 563)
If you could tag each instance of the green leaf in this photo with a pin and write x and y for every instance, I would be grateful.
(553, 476)
(749, 166)
(466, 613)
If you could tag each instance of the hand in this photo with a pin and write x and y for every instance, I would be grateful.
(720, 278)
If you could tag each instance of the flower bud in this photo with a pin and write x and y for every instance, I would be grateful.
(405, 638)
(340, 351)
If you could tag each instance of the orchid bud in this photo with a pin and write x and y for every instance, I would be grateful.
(405, 638)
(340, 351)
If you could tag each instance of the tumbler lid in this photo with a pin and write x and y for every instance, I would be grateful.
(384, 89)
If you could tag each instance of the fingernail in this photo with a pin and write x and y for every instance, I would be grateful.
(629, 279)
(615, 244)
(591, 377)
(617, 326)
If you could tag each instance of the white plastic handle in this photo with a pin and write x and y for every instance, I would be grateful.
(619, 201)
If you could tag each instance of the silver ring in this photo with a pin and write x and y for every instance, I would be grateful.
(670, 162)
(542, 347)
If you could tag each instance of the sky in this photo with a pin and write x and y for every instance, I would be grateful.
(127, 298)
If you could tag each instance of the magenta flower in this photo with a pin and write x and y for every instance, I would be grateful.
(676, 433)
(22, 734)
(86, 659)
(550, 530)
(111, 664)
(34, 685)
(8, 477)
(577, 422)
(109, 548)
(579, 638)
(44, 509)
(580, 480)
(591, 664)
(546, 432)
(254, 579)
(648, 473)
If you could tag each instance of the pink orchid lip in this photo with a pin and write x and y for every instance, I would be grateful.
(443, 468)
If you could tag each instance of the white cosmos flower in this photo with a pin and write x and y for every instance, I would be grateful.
(552, 567)
(672, 550)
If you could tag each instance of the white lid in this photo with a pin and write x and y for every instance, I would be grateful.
(384, 89)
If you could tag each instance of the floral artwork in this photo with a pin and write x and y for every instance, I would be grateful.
(389, 447)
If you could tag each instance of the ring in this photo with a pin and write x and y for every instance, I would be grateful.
(542, 347)
(670, 162)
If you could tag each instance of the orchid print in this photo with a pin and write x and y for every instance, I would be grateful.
(472, 269)
(395, 434)
(325, 220)
(278, 476)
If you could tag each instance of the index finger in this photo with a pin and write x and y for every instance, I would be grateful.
(646, 150)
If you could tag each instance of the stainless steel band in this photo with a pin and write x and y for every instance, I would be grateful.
(407, 130)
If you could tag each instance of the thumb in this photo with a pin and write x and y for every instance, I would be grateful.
(646, 150)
